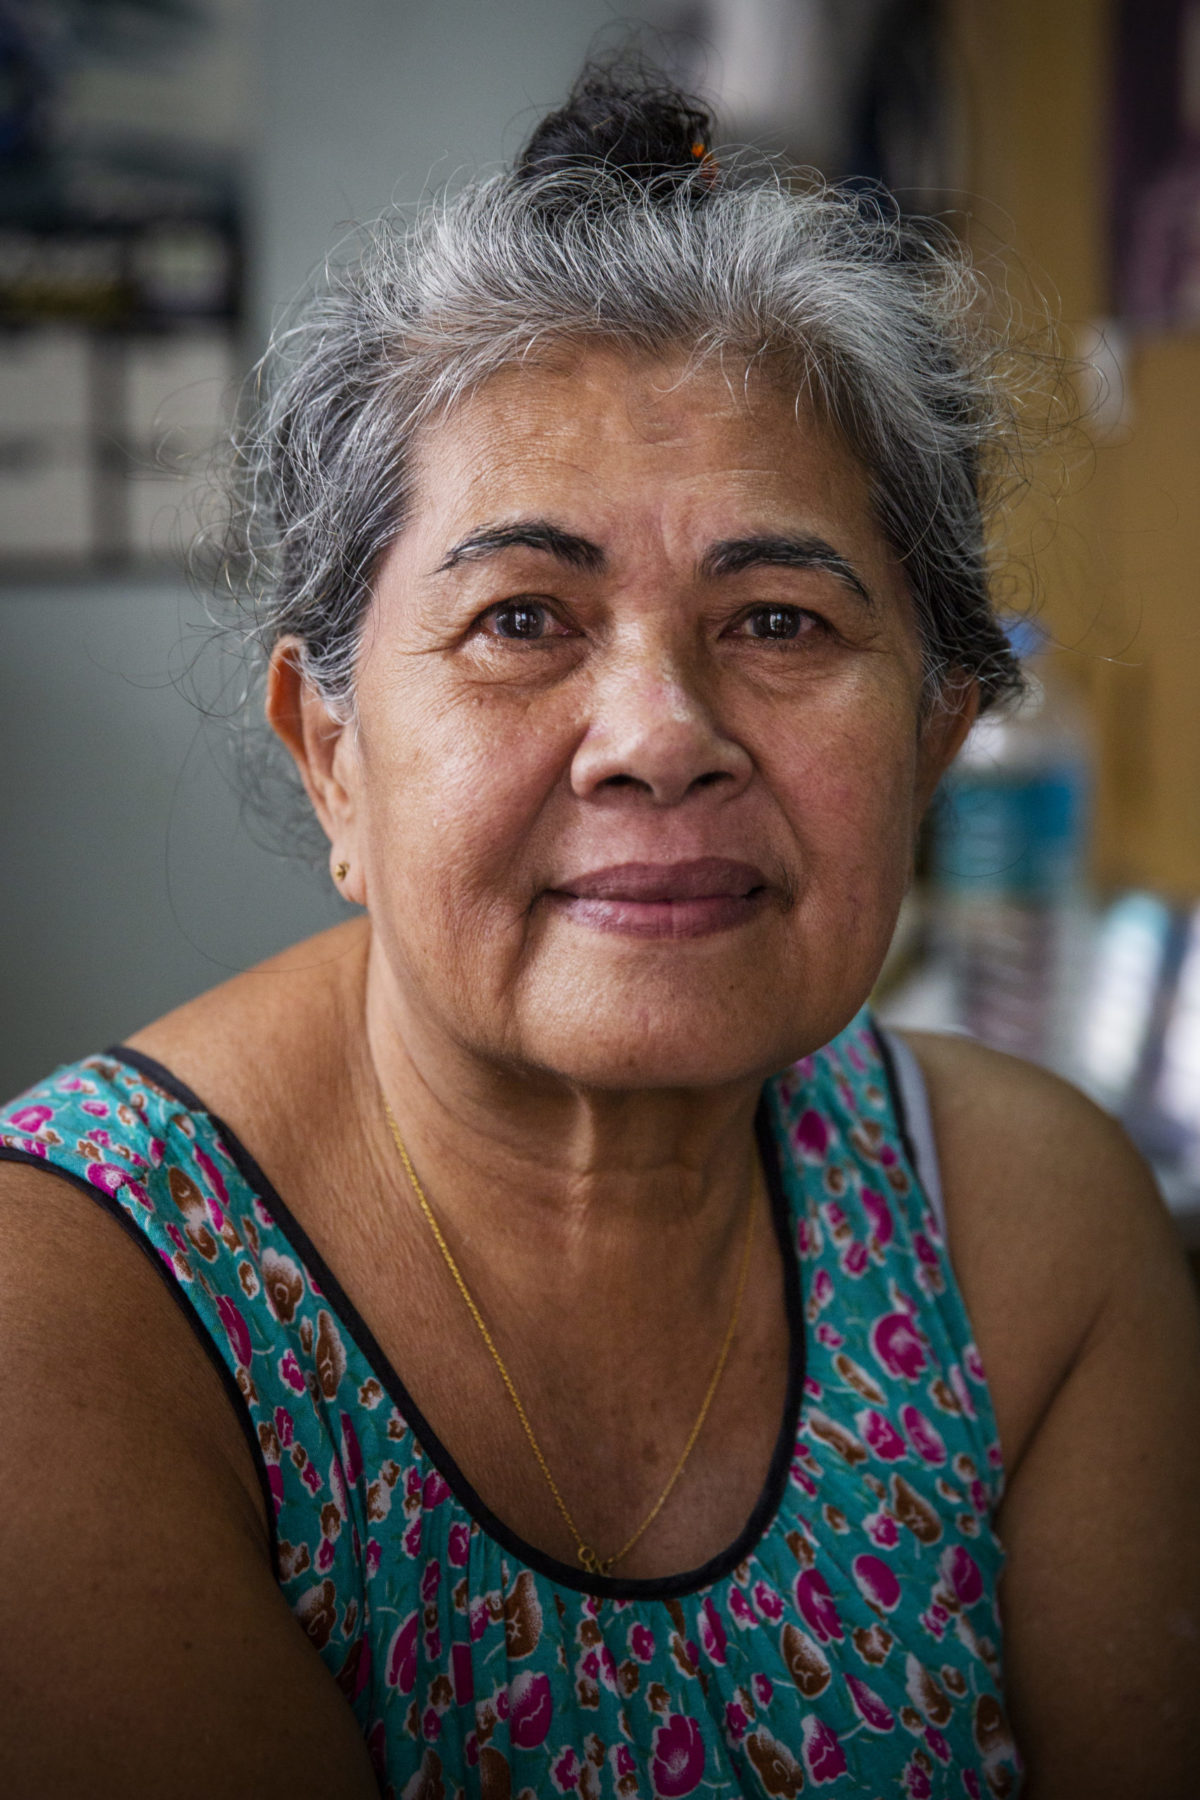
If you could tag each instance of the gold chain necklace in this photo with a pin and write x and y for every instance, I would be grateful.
(593, 1563)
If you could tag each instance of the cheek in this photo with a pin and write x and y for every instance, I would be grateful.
(848, 783)
(452, 794)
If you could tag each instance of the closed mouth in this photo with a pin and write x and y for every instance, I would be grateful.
(664, 900)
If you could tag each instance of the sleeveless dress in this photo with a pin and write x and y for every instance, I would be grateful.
(848, 1642)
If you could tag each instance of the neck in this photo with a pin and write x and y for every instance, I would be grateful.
(595, 1174)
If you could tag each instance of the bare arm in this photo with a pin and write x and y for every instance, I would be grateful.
(1087, 1322)
(147, 1648)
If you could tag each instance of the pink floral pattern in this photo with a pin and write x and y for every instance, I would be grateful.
(678, 1757)
(854, 1645)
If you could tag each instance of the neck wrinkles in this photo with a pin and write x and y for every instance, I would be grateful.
(594, 1173)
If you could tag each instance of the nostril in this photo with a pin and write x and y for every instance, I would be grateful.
(713, 776)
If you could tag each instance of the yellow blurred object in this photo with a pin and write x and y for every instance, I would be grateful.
(1115, 554)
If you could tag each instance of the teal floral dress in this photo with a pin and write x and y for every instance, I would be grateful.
(848, 1643)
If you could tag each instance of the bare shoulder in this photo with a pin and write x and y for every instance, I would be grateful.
(1052, 1216)
(1087, 1321)
(91, 1334)
(135, 1537)
(267, 1026)
(995, 1113)
(80, 1300)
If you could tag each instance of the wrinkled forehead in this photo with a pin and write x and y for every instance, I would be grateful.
(653, 385)
(594, 420)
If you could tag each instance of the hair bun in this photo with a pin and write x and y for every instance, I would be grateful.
(645, 130)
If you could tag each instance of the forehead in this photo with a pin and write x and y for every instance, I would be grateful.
(663, 440)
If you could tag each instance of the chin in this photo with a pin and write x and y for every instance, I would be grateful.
(651, 1067)
(680, 1041)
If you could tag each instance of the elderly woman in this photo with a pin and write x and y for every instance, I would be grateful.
(573, 1350)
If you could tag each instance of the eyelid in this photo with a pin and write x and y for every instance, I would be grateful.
(544, 602)
(789, 606)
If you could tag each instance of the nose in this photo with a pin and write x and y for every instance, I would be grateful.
(653, 732)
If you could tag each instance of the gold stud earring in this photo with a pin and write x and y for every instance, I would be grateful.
(341, 872)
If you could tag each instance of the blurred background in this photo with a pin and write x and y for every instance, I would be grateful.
(171, 171)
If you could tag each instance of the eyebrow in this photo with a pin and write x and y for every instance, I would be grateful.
(733, 555)
(526, 534)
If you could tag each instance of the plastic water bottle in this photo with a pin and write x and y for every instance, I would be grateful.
(1008, 865)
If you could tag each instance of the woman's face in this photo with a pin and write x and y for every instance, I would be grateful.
(637, 765)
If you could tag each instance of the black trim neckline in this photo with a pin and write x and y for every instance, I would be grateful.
(659, 1587)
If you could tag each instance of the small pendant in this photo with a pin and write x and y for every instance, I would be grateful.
(592, 1563)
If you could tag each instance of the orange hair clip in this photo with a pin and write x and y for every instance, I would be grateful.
(709, 167)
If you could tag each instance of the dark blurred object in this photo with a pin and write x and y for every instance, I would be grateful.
(857, 88)
(121, 289)
(903, 135)
(1156, 162)
(25, 87)
(101, 223)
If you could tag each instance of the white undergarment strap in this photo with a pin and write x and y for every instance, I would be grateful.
(914, 1103)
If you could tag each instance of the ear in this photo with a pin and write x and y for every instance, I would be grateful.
(943, 731)
(322, 746)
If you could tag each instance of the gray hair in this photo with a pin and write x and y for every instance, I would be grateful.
(875, 319)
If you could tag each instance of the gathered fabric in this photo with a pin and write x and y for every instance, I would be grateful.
(847, 1643)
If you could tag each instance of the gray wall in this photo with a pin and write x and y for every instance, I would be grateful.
(364, 100)
(128, 880)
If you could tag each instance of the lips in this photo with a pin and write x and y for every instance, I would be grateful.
(706, 878)
(673, 900)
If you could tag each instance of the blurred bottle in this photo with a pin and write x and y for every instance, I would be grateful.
(1008, 867)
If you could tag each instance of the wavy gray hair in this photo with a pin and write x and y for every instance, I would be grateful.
(875, 319)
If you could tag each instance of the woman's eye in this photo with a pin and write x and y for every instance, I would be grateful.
(776, 624)
(521, 619)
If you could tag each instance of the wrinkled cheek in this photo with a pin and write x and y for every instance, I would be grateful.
(450, 880)
(882, 856)
(867, 844)
(857, 790)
